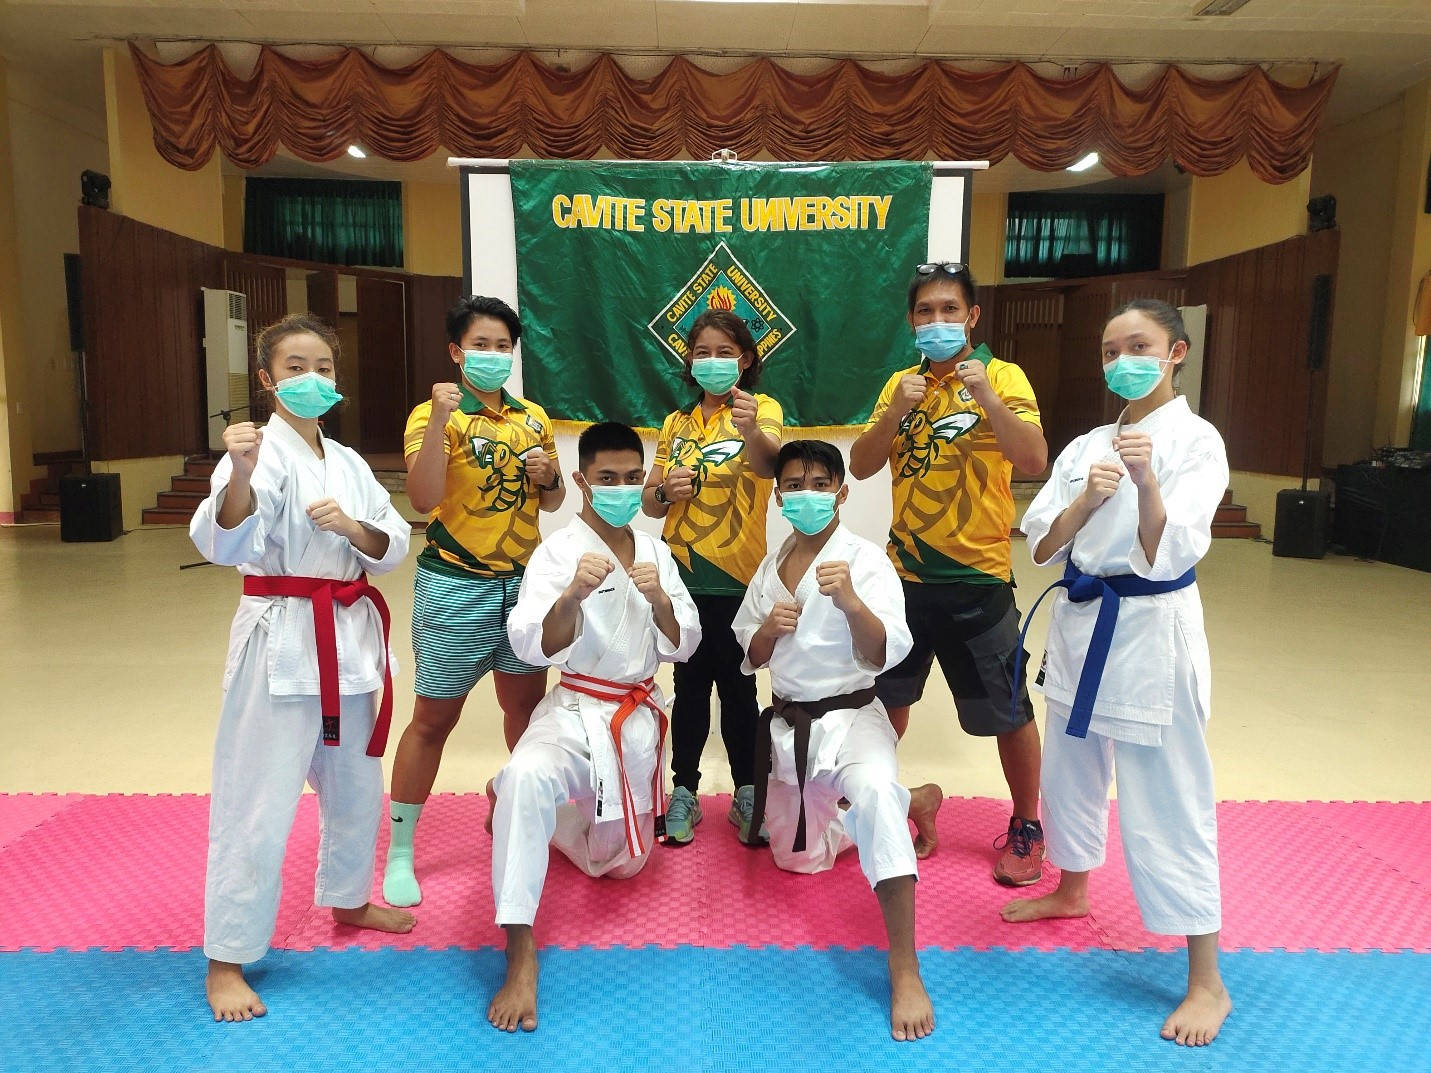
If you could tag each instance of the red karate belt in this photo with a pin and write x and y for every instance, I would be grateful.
(323, 593)
(629, 698)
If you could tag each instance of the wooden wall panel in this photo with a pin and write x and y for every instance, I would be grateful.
(428, 300)
(265, 286)
(143, 326)
(382, 361)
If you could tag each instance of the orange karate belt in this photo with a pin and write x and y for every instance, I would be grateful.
(629, 698)
(323, 593)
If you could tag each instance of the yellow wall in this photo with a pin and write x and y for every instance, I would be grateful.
(15, 450)
(140, 482)
(53, 141)
(1357, 164)
(1237, 211)
(1177, 202)
(988, 215)
(146, 186)
(432, 228)
(1410, 259)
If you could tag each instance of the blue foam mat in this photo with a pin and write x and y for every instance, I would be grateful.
(692, 1009)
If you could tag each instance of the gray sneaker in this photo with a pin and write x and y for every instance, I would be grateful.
(683, 812)
(741, 808)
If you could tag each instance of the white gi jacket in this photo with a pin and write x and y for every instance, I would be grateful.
(819, 659)
(1154, 633)
(279, 538)
(616, 640)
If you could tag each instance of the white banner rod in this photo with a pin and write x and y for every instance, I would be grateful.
(501, 163)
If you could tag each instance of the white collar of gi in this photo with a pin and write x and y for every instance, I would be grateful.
(836, 547)
(289, 436)
(1174, 407)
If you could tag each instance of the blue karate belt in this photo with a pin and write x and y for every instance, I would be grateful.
(1081, 589)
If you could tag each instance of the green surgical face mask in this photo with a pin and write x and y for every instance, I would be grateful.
(307, 395)
(486, 370)
(716, 375)
(616, 505)
(809, 512)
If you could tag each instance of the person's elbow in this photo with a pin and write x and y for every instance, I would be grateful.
(422, 501)
(864, 463)
(1031, 457)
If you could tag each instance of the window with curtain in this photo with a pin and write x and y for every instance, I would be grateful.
(1071, 235)
(336, 221)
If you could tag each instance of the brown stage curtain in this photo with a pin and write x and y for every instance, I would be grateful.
(316, 108)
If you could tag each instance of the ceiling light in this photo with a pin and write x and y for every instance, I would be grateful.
(1084, 164)
(1219, 7)
(354, 151)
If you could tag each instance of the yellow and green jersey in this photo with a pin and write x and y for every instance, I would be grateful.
(486, 523)
(953, 505)
(718, 535)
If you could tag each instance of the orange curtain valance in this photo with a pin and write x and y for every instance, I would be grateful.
(317, 108)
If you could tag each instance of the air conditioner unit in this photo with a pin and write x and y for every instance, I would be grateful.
(225, 361)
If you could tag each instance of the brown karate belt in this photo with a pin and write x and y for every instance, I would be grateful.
(799, 714)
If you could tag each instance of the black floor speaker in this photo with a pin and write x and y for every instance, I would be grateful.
(1302, 523)
(90, 507)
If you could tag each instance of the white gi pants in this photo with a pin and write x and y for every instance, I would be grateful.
(876, 823)
(1167, 812)
(546, 797)
(266, 747)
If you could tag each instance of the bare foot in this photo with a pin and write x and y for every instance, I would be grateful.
(1053, 905)
(924, 802)
(491, 804)
(230, 997)
(376, 917)
(516, 1003)
(911, 1014)
(1198, 1019)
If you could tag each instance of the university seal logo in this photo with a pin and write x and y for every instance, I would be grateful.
(721, 282)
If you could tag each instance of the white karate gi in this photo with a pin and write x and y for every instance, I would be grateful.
(1156, 692)
(851, 750)
(270, 728)
(562, 785)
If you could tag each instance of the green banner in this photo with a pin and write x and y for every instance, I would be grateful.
(615, 260)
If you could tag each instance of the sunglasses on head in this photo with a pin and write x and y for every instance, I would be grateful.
(952, 268)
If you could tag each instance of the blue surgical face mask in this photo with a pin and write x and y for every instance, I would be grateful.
(940, 340)
(307, 395)
(809, 512)
(486, 370)
(716, 375)
(617, 504)
(1134, 376)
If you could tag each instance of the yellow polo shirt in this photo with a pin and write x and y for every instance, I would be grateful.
(953, 505)
(718, 535)
(486, 523)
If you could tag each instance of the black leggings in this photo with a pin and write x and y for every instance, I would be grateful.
(716, 662)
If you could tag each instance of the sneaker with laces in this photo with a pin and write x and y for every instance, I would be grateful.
(742, 808)
(683, 812)
(1021, 862)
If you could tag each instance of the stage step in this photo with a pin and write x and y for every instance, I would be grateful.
(160, 516)
(1246, 530)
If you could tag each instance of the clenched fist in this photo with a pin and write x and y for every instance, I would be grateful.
(647, 579)
(445, 398)
(242, 441)
(834, 581)
(680, 483)
(329, 518)
(1103, 478)
(782, 620)
(743, 413)
(539, 468)
(590, 572)
(908, 394)
(1136, 451)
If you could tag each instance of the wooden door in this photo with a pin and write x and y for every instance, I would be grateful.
(382, 364)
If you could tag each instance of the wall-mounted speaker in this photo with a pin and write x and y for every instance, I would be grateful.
(94, 189)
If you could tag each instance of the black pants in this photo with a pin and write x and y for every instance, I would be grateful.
(715, 663)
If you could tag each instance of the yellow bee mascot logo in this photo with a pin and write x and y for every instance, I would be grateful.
(700, 459)
(924, 440)
(506, 474)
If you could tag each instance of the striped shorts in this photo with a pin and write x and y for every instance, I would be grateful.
(459, 632)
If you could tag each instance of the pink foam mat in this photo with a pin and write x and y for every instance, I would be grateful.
(114, 872)
(22, 813)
